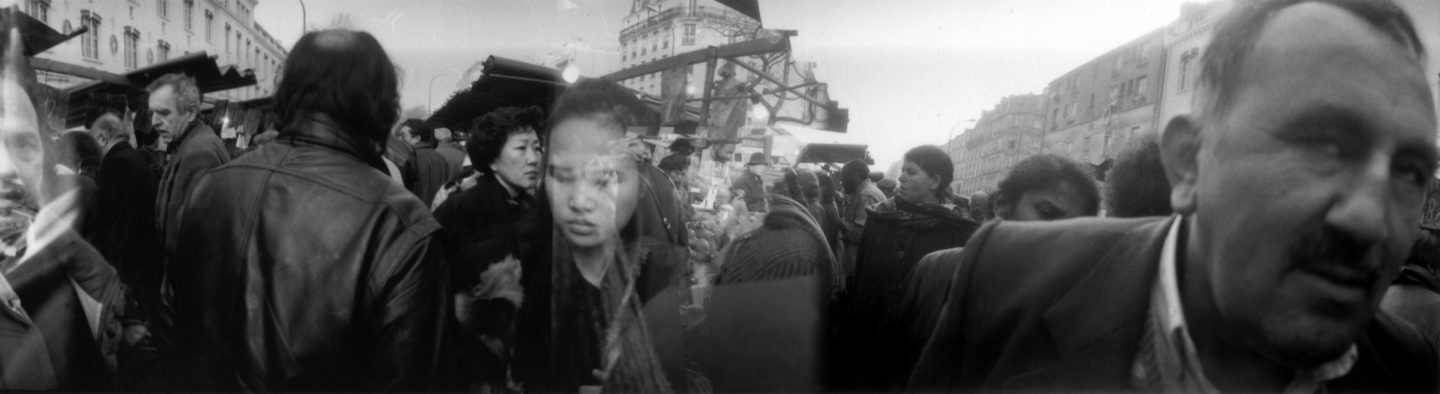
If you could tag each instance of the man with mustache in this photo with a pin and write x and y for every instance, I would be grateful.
(1297, 182)
(59, 300)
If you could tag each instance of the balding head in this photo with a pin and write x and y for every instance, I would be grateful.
(345, 75)
(109, 130)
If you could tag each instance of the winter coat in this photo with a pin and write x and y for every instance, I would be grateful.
(431, 172)
(58, 313)
(897, 234)
(303, 267)
(194, 152)
(125, 225)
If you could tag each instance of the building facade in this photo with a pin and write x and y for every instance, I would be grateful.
(657, 29)
(1010, 132)
(1185, 42)
(1097, 108)
(126, 35)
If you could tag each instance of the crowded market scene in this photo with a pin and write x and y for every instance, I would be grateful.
(720, 196)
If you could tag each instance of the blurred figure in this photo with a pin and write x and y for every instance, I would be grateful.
(399, 157)
(830, 203)
(60, 322)
(980, 210)
(876, 177)
(431, 169)
(79, 161)
(300, 266)
(678, 168)
(887, 186)
(1136, 186)
(80, 153)
(862, 196)
(1298, 179)
(921, 218)
(809, 196)
(750, 182)
(450, 149)
(498, 220)
(764, 328)
(147, 143)
(1046, 187)
(125, 234)
(194, 148)
(1415, 295)
(602, 341)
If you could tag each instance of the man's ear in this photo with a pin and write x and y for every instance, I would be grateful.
(1179, 152)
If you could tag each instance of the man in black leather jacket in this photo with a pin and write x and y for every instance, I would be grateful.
(302, 266)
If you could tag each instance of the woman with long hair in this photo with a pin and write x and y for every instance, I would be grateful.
(600, 337)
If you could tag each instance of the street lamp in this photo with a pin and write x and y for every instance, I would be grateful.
(430, 92)
(303, 20)
(569, 72)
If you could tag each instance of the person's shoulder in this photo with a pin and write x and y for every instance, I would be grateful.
(1395, 355)
(1060, 250)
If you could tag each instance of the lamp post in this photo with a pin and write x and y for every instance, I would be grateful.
(303, 19)
(430, 92)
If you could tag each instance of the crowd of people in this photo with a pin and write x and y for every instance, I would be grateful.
(1268, 241)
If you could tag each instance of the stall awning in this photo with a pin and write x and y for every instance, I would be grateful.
(750, 8)
(37, 36)
(209, 76)
(503, 82)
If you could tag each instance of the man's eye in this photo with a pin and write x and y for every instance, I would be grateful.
(1413, 173)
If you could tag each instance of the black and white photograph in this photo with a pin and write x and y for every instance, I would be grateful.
(720, 196)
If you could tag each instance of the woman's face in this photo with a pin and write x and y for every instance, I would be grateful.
(593, 183)
(916, 186)
(519, 161)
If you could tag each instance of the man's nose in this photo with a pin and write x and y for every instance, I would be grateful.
(1365, 205)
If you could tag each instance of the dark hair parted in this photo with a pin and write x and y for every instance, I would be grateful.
(602, 99)
(1137, 186)
(1042, 171)
(1236, 33)
(495, 128)
(936, 164)
(420, 129)
(345, 75)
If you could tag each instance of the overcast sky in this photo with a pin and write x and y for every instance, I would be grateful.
(910, 71)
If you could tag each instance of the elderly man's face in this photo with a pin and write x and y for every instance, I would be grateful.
(1307, 192)
(166, 115)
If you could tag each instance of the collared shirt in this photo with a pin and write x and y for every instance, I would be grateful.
(1168, 361)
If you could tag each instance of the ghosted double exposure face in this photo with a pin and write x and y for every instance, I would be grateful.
(593, 182)
(21, 155)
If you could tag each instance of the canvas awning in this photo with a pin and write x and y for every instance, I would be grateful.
(503, 83)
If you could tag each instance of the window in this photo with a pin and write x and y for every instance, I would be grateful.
(189, 15)
(90, 44)
(162, 8)
(209, 26)
(132, 43)
(38, 9)
(227, 38)
(1140, 85)
(164, 50)
(689, 35)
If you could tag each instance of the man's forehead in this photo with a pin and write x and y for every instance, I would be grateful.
(1319, 24)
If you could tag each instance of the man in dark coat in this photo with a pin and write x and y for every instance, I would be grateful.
(1297, 180)
(431, 169)
(303, 267)
(751, 183)
(125, 218)
(175, 105)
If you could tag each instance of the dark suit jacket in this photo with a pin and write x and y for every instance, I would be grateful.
(1060, 306)
(125, 224)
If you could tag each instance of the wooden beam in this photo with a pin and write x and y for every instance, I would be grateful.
(777, 81)
(746, 48)
(80, 71)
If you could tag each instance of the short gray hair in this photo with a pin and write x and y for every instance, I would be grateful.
(187, 94)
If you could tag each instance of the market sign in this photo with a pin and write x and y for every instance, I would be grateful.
(1431, 214)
